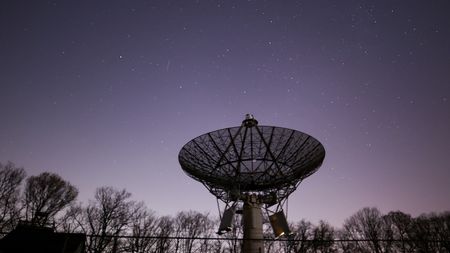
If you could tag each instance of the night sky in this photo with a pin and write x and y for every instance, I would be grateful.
(107, 92)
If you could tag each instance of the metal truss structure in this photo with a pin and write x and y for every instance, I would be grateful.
(266, 161)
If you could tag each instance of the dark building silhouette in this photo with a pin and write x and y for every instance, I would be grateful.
(28, 238)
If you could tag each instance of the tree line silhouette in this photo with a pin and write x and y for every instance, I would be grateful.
(114, 223)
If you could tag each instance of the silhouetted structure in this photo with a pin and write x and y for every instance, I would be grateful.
(27, 238)
(253, 165)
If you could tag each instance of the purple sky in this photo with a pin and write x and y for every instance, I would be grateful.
(107, 92)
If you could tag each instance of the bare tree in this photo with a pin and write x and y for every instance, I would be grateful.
(302, 234)
(421, 234)
(72, 220)
(398, 226)
(46, 195)
(270, 245)
(143, 225)
(232, 244)
(443, 230)
(209, 226)
(214, 246)
(165, 229)
(10, 179)
(431, 233)
(366, 224)
(344, 245)
(106, 218)
(323, 236)
(190, 225)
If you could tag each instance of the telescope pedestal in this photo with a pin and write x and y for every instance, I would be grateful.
(253, 231)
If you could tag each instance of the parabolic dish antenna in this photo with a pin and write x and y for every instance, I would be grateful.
(253, 165)
(236, 161)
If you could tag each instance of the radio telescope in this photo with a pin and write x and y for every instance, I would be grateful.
(254, 166)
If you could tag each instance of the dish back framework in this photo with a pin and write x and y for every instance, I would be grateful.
(267, 161)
